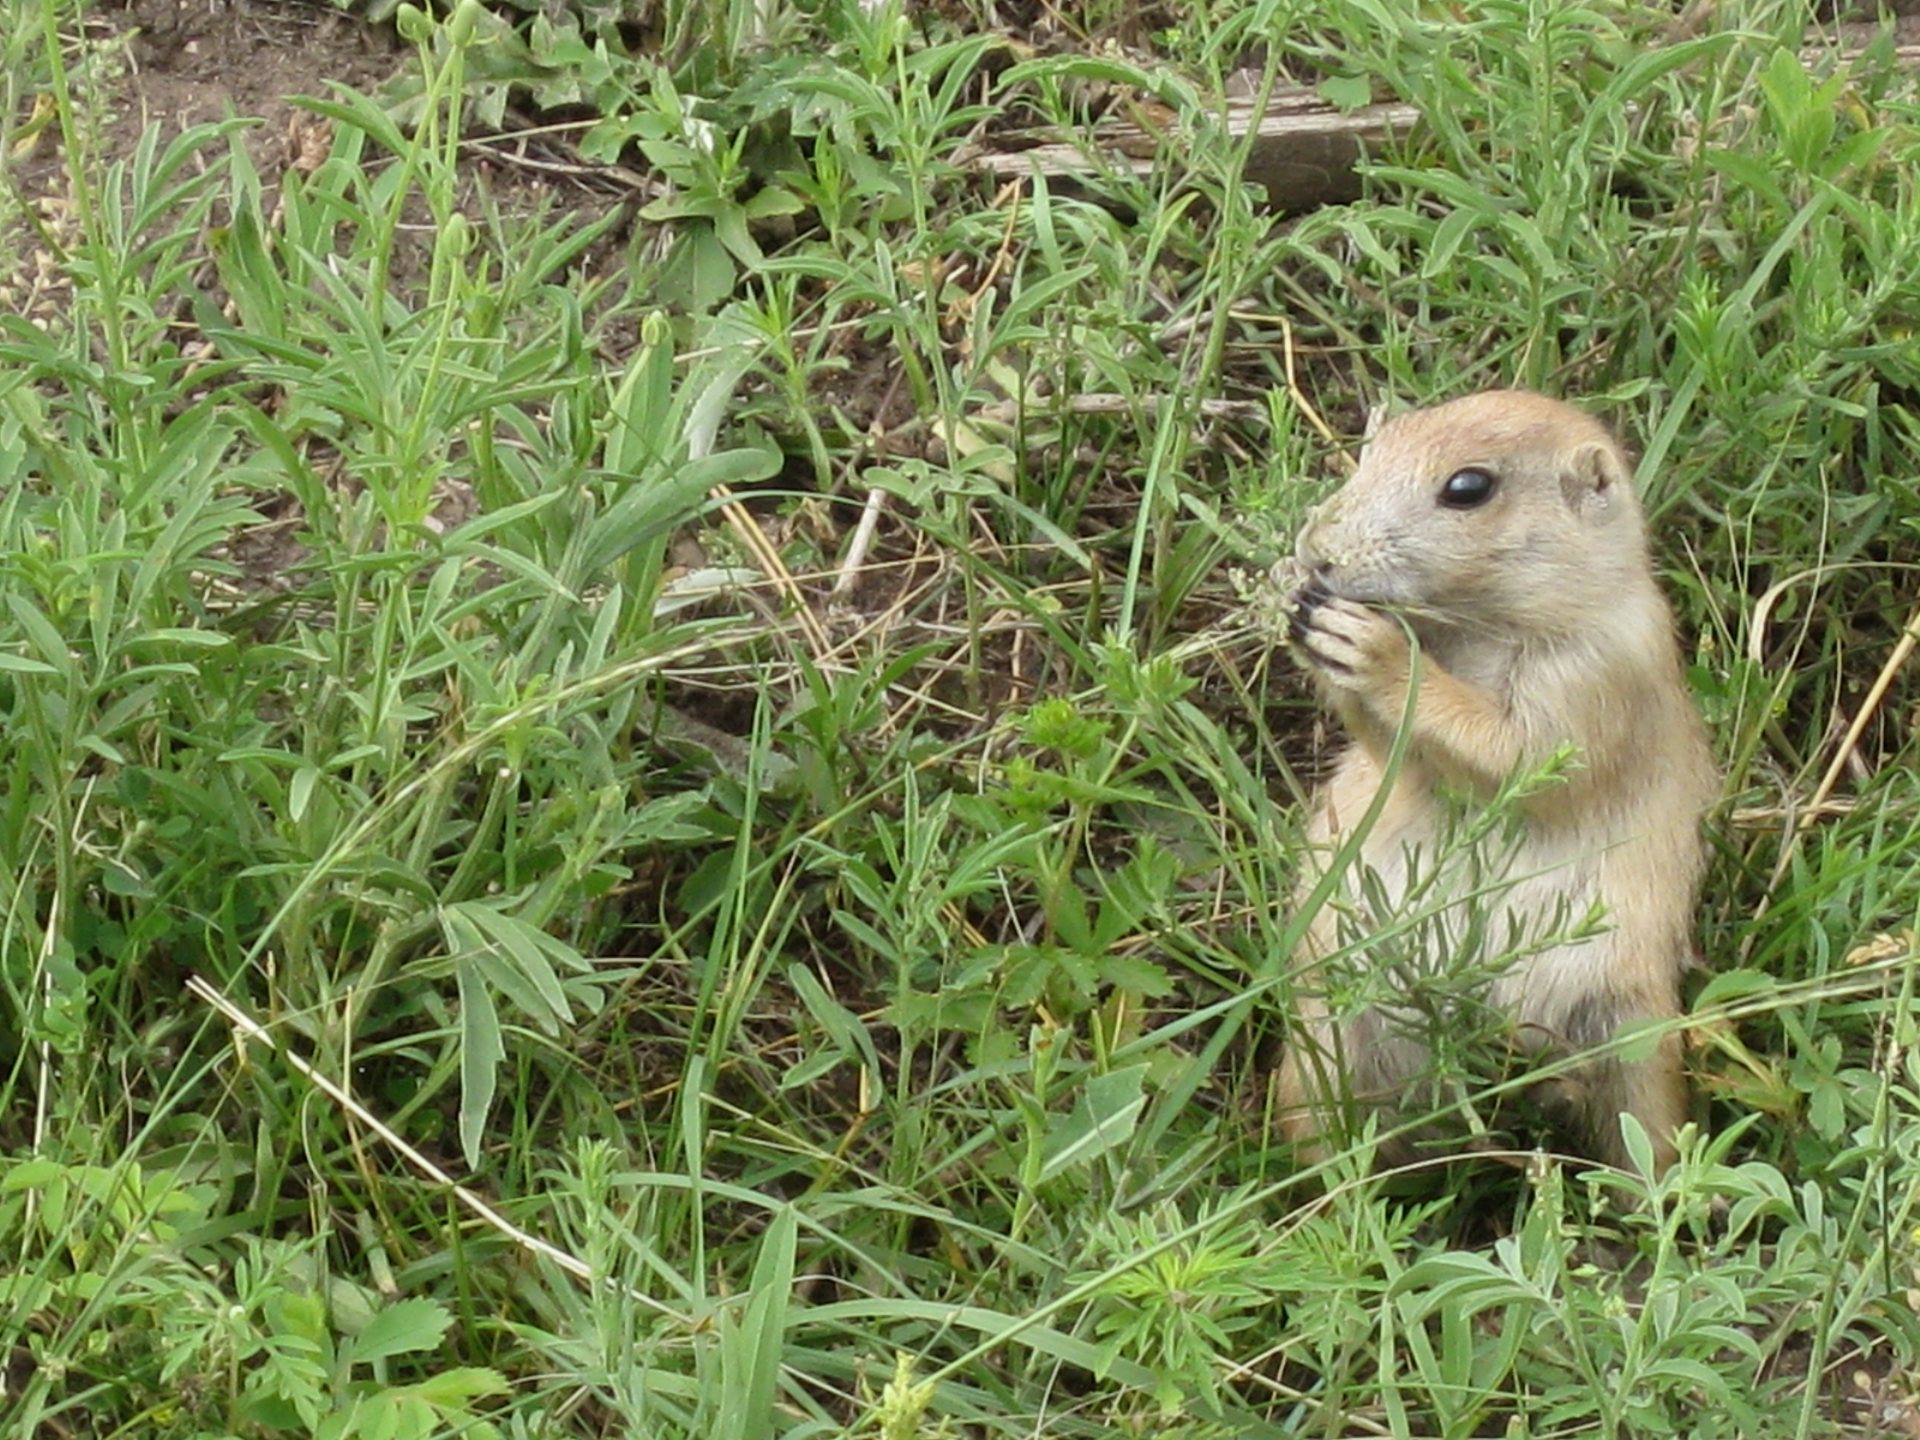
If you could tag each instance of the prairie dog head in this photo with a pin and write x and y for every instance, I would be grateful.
(1502, 508)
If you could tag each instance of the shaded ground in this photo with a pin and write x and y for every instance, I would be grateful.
(168, 65)
(200, 60)
(179, 63)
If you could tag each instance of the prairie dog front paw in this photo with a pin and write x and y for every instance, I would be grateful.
(1353, 648)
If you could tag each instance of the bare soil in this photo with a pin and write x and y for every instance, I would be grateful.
(165, 66)
(194, 61)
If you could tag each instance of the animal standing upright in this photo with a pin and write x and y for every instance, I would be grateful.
(1503, 531)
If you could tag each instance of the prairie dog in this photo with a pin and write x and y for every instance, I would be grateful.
(1503, 530)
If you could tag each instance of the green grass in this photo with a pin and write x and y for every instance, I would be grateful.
(874, 991)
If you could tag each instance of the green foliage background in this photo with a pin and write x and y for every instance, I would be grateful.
(426, 615)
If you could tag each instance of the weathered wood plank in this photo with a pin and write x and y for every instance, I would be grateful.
(1304, 150)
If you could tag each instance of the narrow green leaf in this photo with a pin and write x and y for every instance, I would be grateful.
(481, 1052)
(1104, 1117)
(753, 1345)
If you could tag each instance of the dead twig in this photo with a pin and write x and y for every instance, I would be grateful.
(1909, 638)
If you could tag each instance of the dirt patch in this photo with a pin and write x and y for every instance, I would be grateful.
(192, 62)
(164, 66)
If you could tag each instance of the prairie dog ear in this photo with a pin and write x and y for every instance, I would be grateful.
(1594, 479)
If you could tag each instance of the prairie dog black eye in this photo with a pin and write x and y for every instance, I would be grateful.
(1468, 488)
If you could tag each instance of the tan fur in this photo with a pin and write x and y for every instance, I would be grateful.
(1539, 625)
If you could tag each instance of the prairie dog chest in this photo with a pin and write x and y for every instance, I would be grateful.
(1454, 885)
